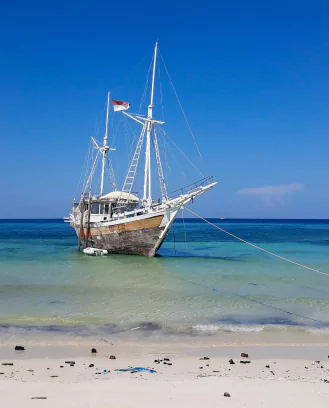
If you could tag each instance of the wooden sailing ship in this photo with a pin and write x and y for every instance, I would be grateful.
(119, 221)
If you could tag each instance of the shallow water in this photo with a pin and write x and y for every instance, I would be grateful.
(208, 283)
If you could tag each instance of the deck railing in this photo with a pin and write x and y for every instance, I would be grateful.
(190, 187)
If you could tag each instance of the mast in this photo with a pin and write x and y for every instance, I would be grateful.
(147, 197)
(105, 148)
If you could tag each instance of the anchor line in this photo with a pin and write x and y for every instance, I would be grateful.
(257, 247)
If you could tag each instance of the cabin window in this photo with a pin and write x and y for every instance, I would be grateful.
(95, 208)
(106, 209)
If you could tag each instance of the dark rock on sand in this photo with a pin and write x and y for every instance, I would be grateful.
(19, 348)
(231, 361)
(244, 361)
(267, 366)
(204, 358)
(7, 364)
(112, 357)
(91, 365)
(69, 362)
(226, 394)
(93, 351)
(166, 359)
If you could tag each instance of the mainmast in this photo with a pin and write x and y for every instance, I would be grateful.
(147, 197)
(148, 130)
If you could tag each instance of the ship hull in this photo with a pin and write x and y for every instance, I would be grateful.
(141, 237)
(139, 232)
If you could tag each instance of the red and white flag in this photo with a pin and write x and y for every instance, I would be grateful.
(120, 106)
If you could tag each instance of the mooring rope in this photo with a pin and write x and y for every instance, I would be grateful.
(256, 246)
(204, 286)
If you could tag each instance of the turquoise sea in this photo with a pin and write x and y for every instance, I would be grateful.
(202, 280)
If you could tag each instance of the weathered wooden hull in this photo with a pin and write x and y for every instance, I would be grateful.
(140, 237)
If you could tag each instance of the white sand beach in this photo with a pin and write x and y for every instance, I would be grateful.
(278, 375)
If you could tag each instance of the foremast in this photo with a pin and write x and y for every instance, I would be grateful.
(103, 150)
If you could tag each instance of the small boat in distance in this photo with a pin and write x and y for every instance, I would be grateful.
(120, 221)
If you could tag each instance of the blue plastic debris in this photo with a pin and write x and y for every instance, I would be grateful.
(138, 369)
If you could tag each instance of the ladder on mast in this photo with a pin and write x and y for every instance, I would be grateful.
(131, 174)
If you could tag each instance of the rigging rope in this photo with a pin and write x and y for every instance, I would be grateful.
(181, 151)
(134, 134)
(185, 235)
(257, 247)
(181, 107)
(174, 238)
(145, 87)
(161, 95)
(84, 170)
(172, 154)
(205, 286)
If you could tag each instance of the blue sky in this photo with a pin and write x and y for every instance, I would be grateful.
(253, 78)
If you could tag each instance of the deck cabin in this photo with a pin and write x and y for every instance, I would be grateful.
(106, 207)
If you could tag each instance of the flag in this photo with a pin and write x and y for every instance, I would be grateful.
(120, 106)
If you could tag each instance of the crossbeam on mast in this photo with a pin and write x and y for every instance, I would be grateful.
(133, 117)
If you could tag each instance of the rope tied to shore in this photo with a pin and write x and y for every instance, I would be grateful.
(257, 247)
